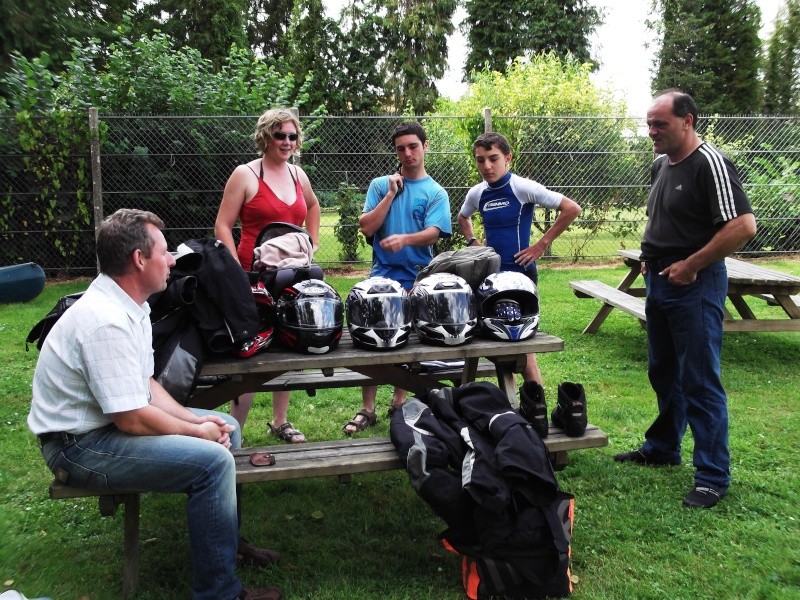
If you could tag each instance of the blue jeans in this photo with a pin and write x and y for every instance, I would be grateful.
(108, 458)
(684, 333)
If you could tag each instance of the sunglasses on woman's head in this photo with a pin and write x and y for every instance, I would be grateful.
(280, 135)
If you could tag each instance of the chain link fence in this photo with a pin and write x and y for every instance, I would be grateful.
(177, 166)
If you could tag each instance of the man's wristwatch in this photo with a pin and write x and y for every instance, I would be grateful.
(470, 240)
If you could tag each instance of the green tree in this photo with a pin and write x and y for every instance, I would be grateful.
(210, 26)
(499, 32)
(312, 39)
(24, 30)
(359, 81)
(416, 40)
(267, 25)
(712, 51)
(385, 54)
(782, 69)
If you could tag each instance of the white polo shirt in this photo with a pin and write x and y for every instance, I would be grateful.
(97, 360)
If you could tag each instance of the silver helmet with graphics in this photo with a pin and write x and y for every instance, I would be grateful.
(378, 314)
(443, 310)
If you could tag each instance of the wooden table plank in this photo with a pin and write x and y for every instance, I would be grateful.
(249, 375)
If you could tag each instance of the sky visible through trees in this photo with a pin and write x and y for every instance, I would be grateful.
(620, 45)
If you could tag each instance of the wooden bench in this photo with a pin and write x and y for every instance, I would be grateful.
(341, 458)
(611, 297)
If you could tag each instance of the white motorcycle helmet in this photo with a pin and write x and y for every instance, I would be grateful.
(508, 305)
(443, 310)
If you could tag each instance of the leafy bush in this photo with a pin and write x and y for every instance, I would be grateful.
(351, 203)
(775, 201)
(148, 75)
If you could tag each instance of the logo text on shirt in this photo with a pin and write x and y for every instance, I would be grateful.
(496, 204)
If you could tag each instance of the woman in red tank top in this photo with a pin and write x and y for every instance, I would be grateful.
(260, 192)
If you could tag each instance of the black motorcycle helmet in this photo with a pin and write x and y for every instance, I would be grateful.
(310, 317)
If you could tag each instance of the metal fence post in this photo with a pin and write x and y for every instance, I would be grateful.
(97, 180)
(296, 112)
(487, 120)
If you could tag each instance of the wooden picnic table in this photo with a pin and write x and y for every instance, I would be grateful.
(746, 281)
(404, 367)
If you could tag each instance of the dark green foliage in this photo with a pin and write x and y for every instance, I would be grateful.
(312, 41)
(499, 32)
(56, 216)
(146, 76)
(359, 83)
(209, 26)
(782, 70)
(31, 27)
(712, 51)
(267, 24)
(351, 204)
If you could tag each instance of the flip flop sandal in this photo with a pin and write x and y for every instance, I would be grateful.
(286, 432)
(262, 459)
(368, 419)
(249, 555)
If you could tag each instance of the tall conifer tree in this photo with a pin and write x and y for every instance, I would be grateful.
(416, 41)
(499, 32)
(782, 69)
(712, 51)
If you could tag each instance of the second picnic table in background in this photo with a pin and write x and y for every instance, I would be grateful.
(745, 281)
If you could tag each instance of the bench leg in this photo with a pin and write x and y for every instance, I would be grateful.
(130, 552)
(130, 557)
(601, 315)
(559, 460)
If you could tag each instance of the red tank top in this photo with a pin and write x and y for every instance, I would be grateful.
(265, 208)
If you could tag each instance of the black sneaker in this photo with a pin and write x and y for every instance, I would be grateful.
(702, 497)
(570, 412)
(639, 457)
(533, 408)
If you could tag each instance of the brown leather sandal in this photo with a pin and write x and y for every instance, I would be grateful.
(287, 433)
(368, 419)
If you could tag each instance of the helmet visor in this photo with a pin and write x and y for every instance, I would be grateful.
(451, 307)
(383, 312)
(315, 313)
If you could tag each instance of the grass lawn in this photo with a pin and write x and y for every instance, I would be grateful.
(374, 539)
